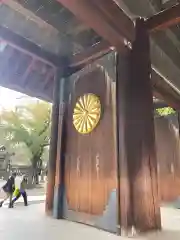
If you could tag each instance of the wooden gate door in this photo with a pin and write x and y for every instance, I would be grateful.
(90, 166)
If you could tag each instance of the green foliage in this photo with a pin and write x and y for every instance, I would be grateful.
(165, 111)
(27, 126)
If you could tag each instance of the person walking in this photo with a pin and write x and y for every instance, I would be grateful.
(21, 191)
(8, 189)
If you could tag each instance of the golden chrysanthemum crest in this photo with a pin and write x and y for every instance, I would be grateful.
(87, 113)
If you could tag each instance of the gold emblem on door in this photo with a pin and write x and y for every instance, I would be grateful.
(87, 113)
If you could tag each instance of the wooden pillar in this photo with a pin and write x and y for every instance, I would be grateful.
(60, 157)
(53, 144)
(178, 116)
(138, 187)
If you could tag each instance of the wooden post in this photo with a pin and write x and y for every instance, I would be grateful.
(178, 117)
(124, 214)
(53, 145)
(60, 158)
(138, 192)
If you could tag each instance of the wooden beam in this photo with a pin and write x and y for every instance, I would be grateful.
(17, 7)
(178, 114)
(137, 163)
(58, 205)
(163, 95)
(110, 19)
(105, 17)
(59, 189)
(24, 77)
(159, 104)
(80, 60)
(164, 19)
(28, 47)
(91, 54)
(53, 145)
(49, 75)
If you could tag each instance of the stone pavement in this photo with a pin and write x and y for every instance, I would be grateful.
(30, 223)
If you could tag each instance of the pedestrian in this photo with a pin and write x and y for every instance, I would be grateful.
(8, 189)
(21, 191)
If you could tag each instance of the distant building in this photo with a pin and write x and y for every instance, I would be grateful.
(5, 158)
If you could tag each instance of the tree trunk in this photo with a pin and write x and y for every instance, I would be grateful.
(36, 177)
(36, 169)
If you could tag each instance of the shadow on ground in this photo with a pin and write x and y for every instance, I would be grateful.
(164, 235)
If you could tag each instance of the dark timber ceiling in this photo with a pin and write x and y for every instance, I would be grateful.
(18, 69)
(55, 29)
(69, 29)
(165, 45)
(49, 25)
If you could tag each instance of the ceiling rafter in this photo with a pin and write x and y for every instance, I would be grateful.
(41, 19)
(120, 32)
(24, 77)
(28, 47)
(103, 13)
(164, 19)
(24, 45)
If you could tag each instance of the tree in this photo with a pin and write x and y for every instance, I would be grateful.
(28, 125)
(165, 111)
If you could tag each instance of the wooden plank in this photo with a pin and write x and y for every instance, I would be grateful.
(139, 206)
(91, 54)
(47, 15)
(165, 93)
(59, 189)
(164, 19)
(79, 60)
(27, 72)
(95, 14)
(57, 208)
(178, 116)
(142, 154)
(90, 183)
(123, 63)
(53, 145)
(28, 47)
(105, 17)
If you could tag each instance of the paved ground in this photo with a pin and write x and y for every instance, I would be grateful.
(30, 223)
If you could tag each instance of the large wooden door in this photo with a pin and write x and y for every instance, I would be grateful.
(168, 156)
(90, 165)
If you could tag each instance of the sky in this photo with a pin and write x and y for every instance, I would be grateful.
(9, 98)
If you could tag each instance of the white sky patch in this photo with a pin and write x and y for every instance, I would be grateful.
(9, 99)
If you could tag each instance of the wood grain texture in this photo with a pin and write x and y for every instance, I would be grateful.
(139, 205)
(104, 18)
(164, 19)
(168, 156)
(53, 145)
(90, 169)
